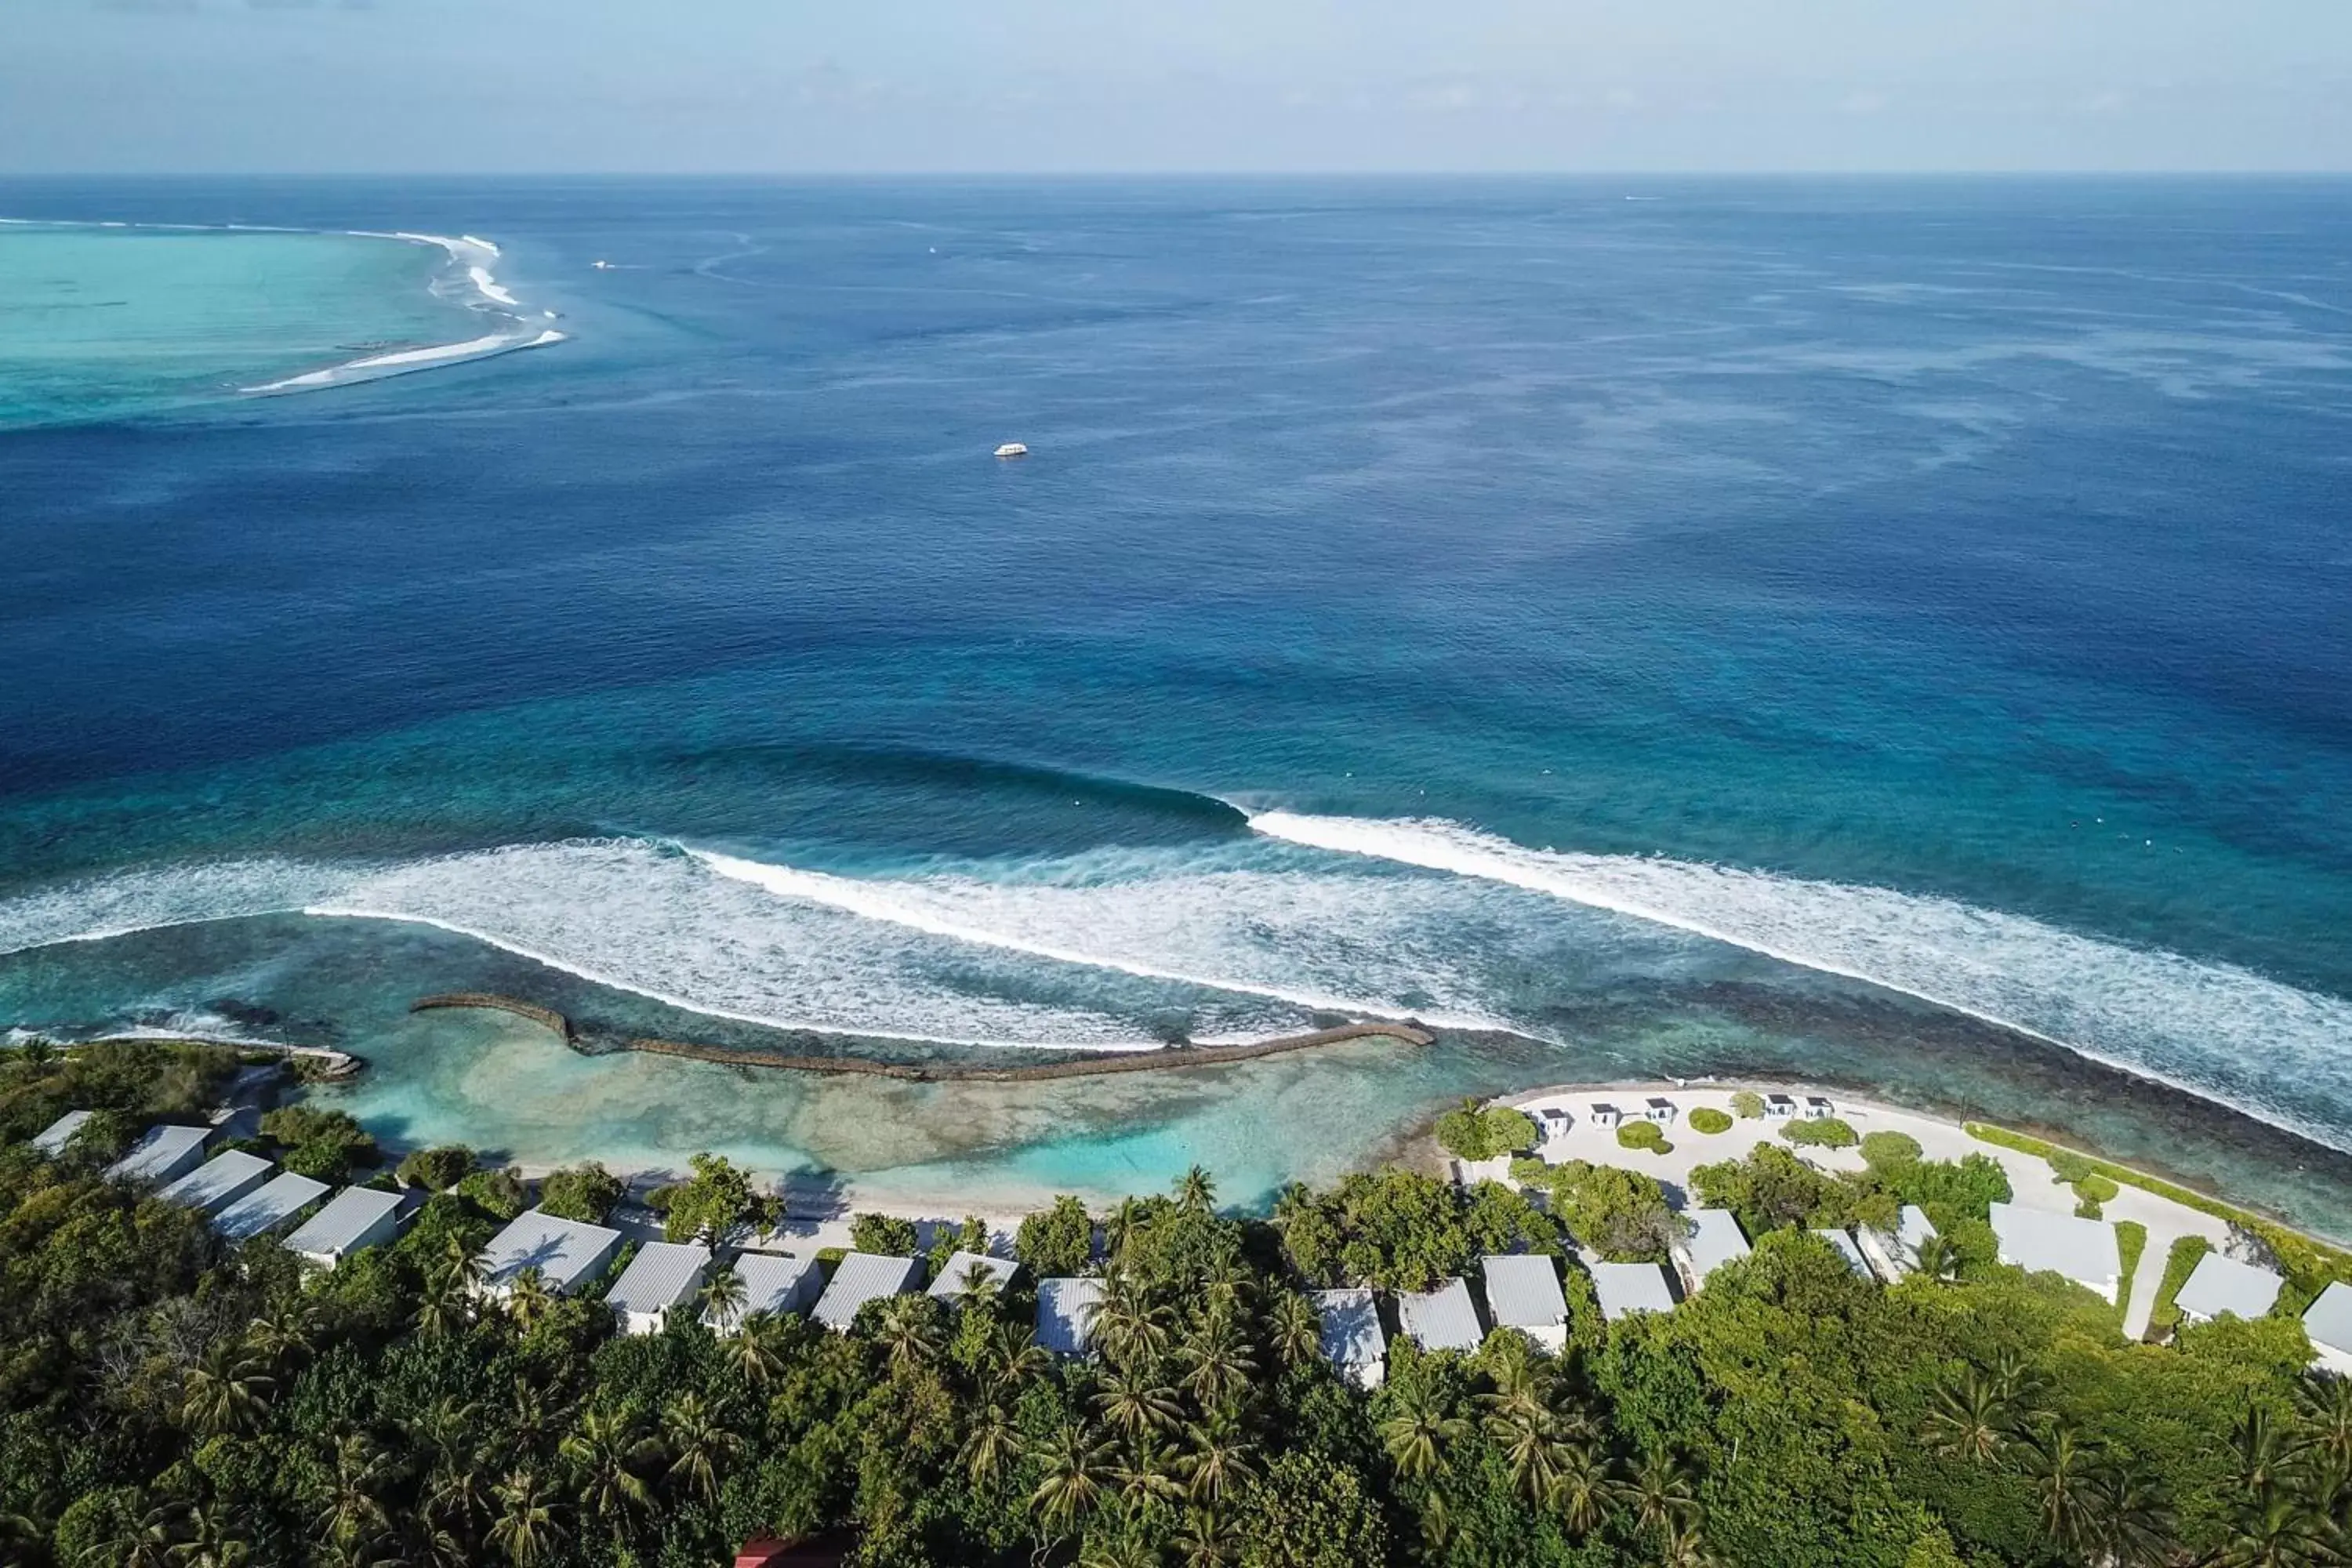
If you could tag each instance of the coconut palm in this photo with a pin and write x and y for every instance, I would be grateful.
(228, 1390)
(1686, 1547)
(1205, 1540)
(1144, 1473)
(2278, 1529)
(286, 1340)
(2132, 1520)
(1133, 1405)
(1581, 1488)
(1014, 1358)
(724, 1294)
(981, 1286)
(910, 1333)
(1124, 1550)
(1293, 1329)
(459, 1492)
(756, 1351)
(527, 1528)
(604, 1454)
(145, 1542)
(2020, 1387)
(1936, 1258)
(1128, 1326)
(2060, 1465)
(1417, 1434)
(459, 1264)
(1195, 1190)
(1218, 1459)
(529, 1300)
(444, 1307)
(1660, 1491)
(1968, 1418)
(354, 1511)
(2324, 1404)
(1218, 1365)
(990, 1446)
(1531, 1444)
(1077, 1471)
(209, 1540)
(2263, 1447)
(701, 1444)
(1121, 1226)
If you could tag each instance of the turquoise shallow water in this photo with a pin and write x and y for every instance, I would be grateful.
(102, 323)
(1887, 632)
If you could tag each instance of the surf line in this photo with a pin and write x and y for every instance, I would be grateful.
(1084, 1067)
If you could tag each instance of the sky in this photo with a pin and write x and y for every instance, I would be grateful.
(1088, 85)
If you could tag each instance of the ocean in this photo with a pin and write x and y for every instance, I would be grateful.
(1888, 633)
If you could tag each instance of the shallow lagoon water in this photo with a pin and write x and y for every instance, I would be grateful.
(1938, 581)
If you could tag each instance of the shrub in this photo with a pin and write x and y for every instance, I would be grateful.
(1749, 1104)
(2131, 1240)
(1708, 1119)
(321, 1159)
(329, 1139)
(585, 1191)
(717, 1199)
(1828, 1134)
(497, 1193)
(1642, 1135)
(2179, 1265)
(438, 1169)
(1622, 1215)
(1467, 1132)
(2068, 1166)
(1885, 1151)
(1057, 1241)
(2094, 1188)
(883, 1233)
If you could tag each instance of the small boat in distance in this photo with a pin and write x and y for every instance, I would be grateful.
(1012, 450)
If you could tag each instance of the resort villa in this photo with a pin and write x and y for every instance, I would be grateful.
(1714, 1239)
(2328, 1322)
(1066, 1314)
(1440, 1319)
(773, 1282)
(956, 1277)
(1625, 1288)
(52, 1140)
(1845, 1248)
(1523, 1293)
(2223, 1284)
(218, 1182)
(162, 1154)
(1604, 1115)
(566, 1252)
(2040, 1241)
(267, 1207)
(864, 1277)
(1353, 1340)
(663, 1274)
(352, 1221)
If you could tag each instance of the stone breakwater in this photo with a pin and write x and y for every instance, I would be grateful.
(1167, 1058)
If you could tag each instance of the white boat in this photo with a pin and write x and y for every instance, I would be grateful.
(1012, 450)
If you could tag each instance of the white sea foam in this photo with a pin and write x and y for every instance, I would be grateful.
(488, 285)
(2211, 1028)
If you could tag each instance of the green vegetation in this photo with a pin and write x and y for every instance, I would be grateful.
(130, 1084)
(2096, 1188)
(714, 1201)
(168, 1400)
(1706, 1119)
(1056, 1242)
(327, 1145)
(2309, 1265)
(1771, 1189)
(437, 1170)
(882, 1232)
(498, 1194)
(1749, 1104)
(585, 1191)
(2131, 1240)
(1646, 1135)
(1889, 1151)
(2179, 1265)
(1467, 1132)
(1620, 1213)
(1830, 1132)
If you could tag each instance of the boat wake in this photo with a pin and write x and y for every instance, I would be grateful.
(1307, 918)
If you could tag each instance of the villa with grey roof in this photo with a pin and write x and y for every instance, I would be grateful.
(1066, 1314)
(1625, 1288)
(1440, 1319)
(2040, 1242)
(52, 1140)
(1523, 1293)
(2327, 1321)
(352, 1221)
(662, 1275)
(1353, 1340)
(860, 1278)
(2222, 1286)
(267, 1207)
(162, 1154)
(773, 1282)
(1714, 1239)
(955, 1278)
(218, 1182)
(566, 1252)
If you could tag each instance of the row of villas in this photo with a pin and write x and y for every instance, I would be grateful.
(242, 1199)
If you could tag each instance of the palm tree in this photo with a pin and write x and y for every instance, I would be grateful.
(2020, 1387)
(526, 1527)
(1142, 1474)
(2132, 1521)
(991, 1446)
(1195, 1191)
(980, 1288)
(444, 1307)
(286, 1340)
(2278, 1529)
(1120, 1225)
(2263, 1447)
(757, 1350)
(1076, 1471)
(724, 1295)
(2061, 1465)
(1659, 1490)
(1205, 1540)
(604, 1454)
(228, 1390)
(1417, 1434)
(1219, 1365)
(1217, 1461)
(1134, 1404)
(910, 1332)
(1581, 1488)
(1294, 1331)
(2324, 1405)
(211, 1541)
(1532, 1446)
(1686, 1547)
(362, 1471)
(700, 1444)
(1127, 1325)
(528, 1300)
(144, 1542)
(458, 1493)
(461, 1266)
(1968, 1418)
(1936, 1258)
(1014, 1358)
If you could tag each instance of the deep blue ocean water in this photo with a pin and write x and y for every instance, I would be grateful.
(1820, 628)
